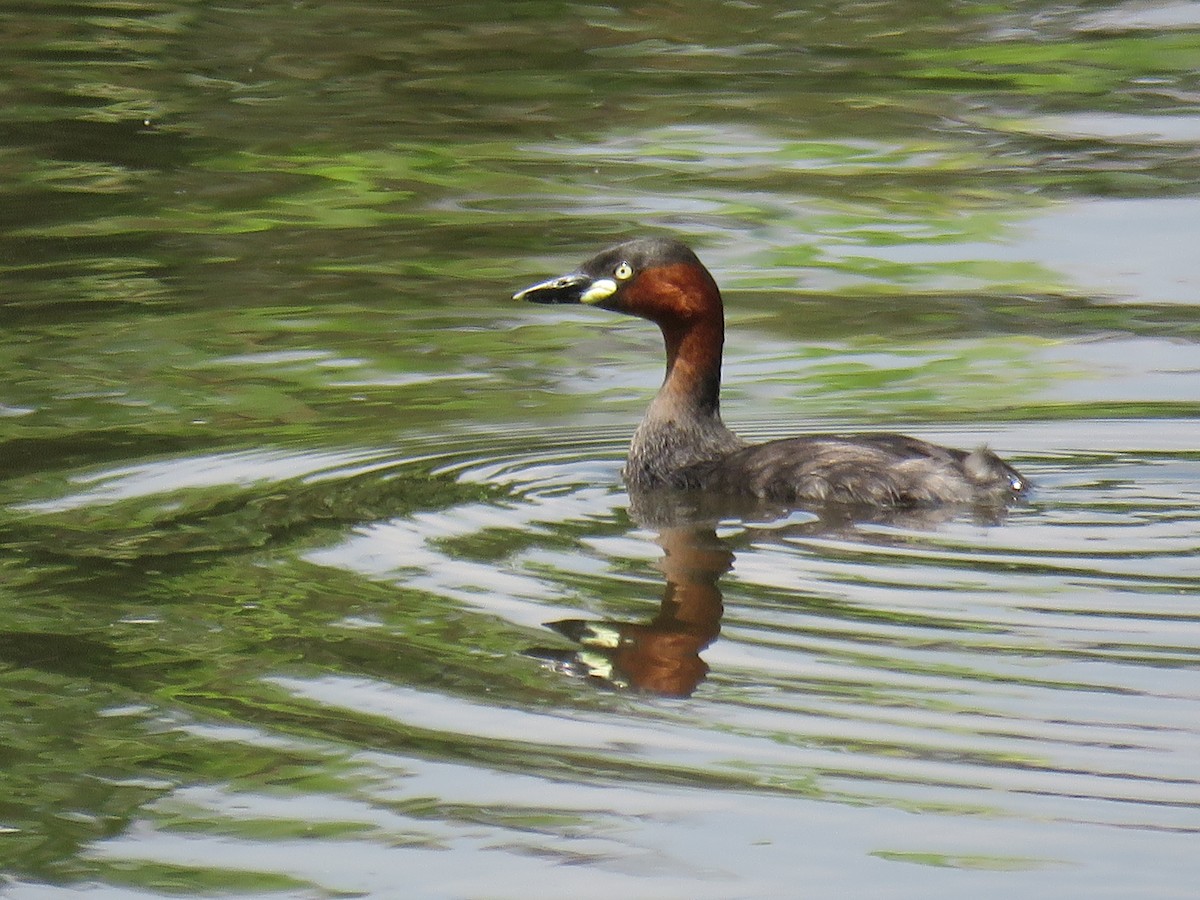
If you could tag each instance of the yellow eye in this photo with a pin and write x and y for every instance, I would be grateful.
(623, 272)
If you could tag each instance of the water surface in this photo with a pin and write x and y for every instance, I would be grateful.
(292, 489)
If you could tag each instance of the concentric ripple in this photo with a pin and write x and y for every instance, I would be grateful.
(1043, 667)
(1004, 685)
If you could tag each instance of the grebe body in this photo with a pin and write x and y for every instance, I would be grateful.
(682, 442)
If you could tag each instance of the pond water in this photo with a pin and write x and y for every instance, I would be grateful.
(319, 578)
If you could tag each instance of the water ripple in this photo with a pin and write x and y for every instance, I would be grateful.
(1051, 657)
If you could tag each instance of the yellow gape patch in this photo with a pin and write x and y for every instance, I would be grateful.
(600, 290)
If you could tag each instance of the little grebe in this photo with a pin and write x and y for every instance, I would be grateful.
(682, 443)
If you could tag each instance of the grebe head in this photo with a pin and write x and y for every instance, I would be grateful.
(659, 279)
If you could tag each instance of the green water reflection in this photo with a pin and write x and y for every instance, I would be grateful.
(290, 487)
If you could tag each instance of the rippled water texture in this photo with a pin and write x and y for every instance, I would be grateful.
(318, 575)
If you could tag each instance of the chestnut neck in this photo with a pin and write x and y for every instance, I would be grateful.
(693, 379)
(682, 428)
(685, 303)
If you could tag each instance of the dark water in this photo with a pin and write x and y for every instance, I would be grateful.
(290, 488)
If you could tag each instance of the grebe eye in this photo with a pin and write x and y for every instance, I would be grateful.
(623, 272)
